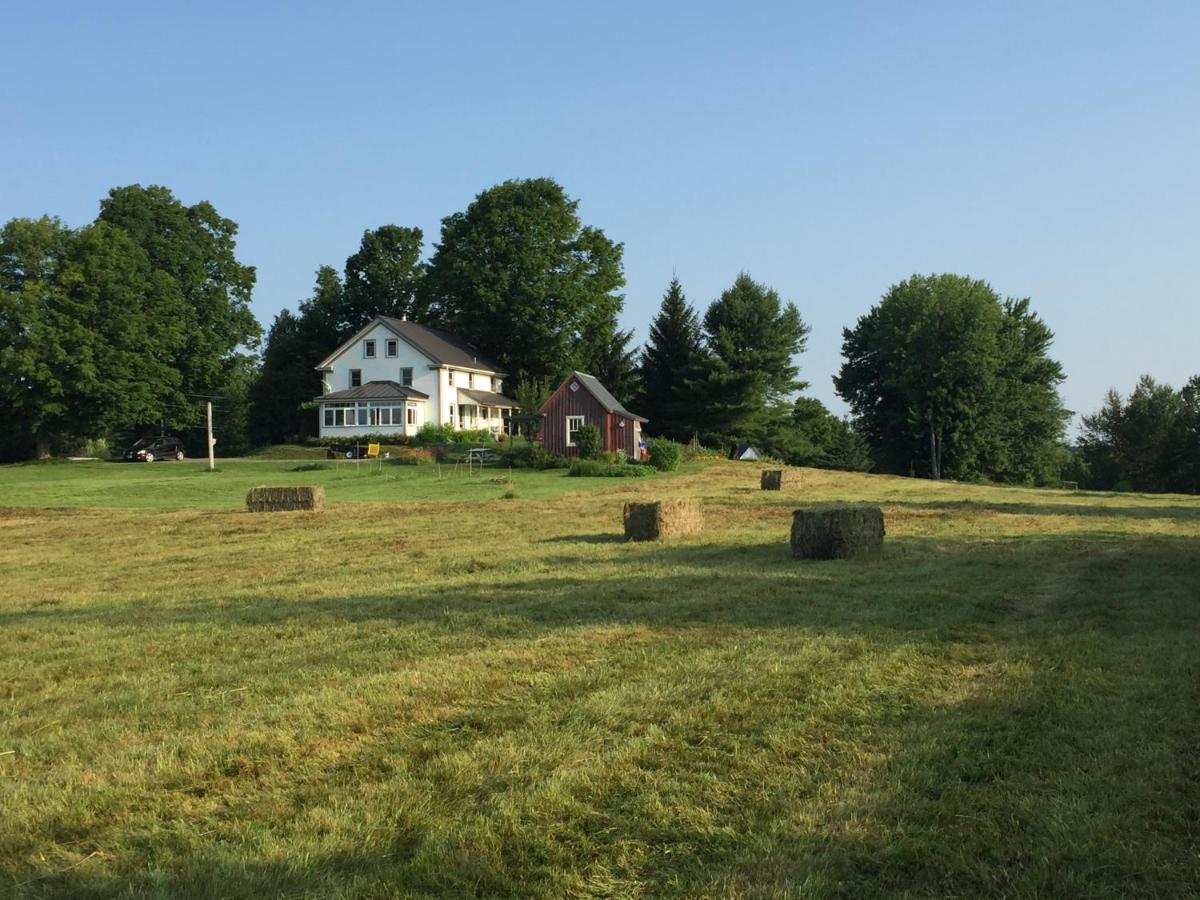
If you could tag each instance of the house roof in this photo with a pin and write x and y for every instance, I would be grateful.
(376, 390)
(600, 392)
(487, 398)
(441, 347)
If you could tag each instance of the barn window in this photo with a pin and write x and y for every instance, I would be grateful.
(574, 423)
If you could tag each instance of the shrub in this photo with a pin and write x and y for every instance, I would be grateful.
(593, 468)
(429, 433)
(664, 454)
(532, 456)
(612, 457)
(587, 442)
(472, 436)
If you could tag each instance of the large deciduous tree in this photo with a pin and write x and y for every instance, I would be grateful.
(115, 325)
(381, 278)
(520, 277)
(946, 380)
(194, 248)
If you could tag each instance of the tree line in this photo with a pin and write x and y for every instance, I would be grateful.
(127, 323)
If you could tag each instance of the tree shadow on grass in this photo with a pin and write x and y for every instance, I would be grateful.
(921, 583)
(604, 537)
(1174, 512)
(1019, 786)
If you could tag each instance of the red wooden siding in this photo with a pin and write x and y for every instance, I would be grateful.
(566, 402)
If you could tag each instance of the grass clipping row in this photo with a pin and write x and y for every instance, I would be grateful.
(281, 499)
(838, 532)
(662, 520)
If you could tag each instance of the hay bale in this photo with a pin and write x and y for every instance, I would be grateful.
(772, 479)
(277, 499)
(662, 520)
(838, 532)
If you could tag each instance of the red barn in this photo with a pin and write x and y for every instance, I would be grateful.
(582, 400)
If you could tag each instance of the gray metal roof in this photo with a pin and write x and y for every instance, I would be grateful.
(376, 390)
(600, 392)
(487, 398)
(441, 346)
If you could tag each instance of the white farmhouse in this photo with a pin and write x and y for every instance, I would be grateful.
(393, 376)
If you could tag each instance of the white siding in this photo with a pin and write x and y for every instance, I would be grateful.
(437, 382)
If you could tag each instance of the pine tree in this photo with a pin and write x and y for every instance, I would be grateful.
(748, 372)
(668, 358)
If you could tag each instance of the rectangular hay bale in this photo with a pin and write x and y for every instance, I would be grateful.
(279, 499)
(662, 519)
(838, 532)
(772, 479)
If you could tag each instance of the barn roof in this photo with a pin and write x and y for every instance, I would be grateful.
(600, 392)
(376, 390)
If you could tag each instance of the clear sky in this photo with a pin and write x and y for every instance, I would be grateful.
(828, 149)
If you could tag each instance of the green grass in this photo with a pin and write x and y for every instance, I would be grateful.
(189, 484)
(501, 698)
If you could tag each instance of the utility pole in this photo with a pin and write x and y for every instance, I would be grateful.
(211, 464)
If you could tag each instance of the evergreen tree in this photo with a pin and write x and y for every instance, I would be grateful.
(748, 370)
(1141, 444)
(673, 350)
(849, 450)
(614, 364)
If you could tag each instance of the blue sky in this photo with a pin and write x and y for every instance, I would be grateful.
(830, 150)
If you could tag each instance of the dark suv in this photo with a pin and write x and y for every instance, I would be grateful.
(150, 449)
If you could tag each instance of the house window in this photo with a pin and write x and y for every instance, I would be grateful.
(470, 379)
(369, 349)
(412, 416)
(386, 414)
(574, 423)
(406, 376)
(355, 378)
(338, 415)
(392, 347)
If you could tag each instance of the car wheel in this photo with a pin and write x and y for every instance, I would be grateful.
(149, 457)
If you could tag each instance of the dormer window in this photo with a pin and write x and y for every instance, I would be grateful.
(368, 349)
(392, 348)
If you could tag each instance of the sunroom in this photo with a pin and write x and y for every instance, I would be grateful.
(377, 407)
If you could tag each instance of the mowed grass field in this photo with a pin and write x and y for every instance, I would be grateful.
(427, 690)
